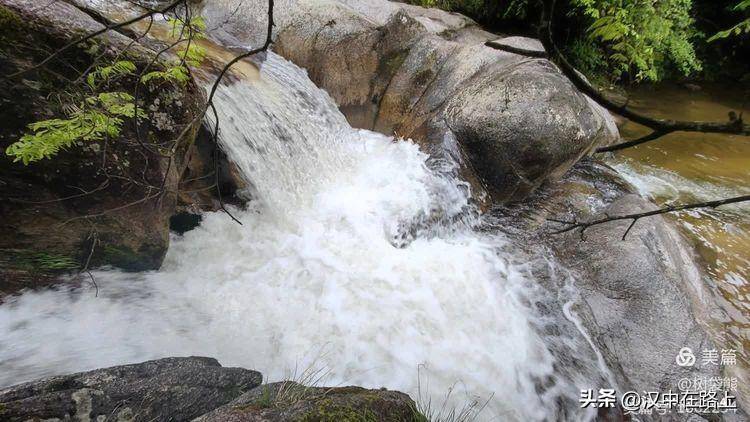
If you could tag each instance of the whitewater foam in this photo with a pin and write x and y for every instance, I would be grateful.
(319, 273)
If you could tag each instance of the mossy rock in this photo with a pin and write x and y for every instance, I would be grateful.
(9, 21)
(289, 401)
(329, 411)
(96, 191)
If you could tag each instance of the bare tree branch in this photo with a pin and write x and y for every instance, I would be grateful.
(515, 50)
(217, 166)
(646, 138)
(660, 127)
(85, 38)
(573, 225)
(264, 47)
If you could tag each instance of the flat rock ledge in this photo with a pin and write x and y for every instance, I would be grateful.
(194, 388)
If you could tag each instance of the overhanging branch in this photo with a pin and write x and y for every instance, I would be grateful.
(659, 127)
(87, 37)
(573, 225)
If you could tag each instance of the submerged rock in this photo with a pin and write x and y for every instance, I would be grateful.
(426, 74)
(97, 202)
(170, 389)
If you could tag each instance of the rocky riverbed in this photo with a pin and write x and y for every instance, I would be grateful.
(505, 136)
(194, 388)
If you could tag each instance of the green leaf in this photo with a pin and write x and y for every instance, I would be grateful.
(104, 74)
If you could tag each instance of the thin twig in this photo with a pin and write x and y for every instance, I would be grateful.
(85, 38)
(216, 165)
(94, 239)
(573, 225)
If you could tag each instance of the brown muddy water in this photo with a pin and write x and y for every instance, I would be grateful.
(690, 167)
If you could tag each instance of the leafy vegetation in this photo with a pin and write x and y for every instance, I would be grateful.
(624, 40)
(741, 28)
(189, 53)
(96, 117)
(95, 113)
(642, 39)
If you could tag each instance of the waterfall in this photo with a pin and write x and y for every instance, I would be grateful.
(356, 259)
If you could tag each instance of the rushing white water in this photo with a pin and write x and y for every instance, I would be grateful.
(354, 256)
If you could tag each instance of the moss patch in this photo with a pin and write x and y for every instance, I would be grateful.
(146, 257)
(392, 62)
(36, 261)
(9, 21)
(328, 411)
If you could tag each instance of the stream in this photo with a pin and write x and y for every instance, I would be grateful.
(693, 167)
(362, 261)
(359, 261)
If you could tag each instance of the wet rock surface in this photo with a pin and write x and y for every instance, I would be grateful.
(641, 299)
(105, 202)
(195, 388)
(416, 72)
(170, 389)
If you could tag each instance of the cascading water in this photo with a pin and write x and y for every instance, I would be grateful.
(319, 274)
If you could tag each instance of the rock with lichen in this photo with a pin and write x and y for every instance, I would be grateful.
(289, 401)
(102, 202)
(169, 389)
(198, 389)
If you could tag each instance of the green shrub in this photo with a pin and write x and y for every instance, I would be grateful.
(632, 40)
(643, 39)
(93, 112)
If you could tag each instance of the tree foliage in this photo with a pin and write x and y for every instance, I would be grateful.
(643, 39)
(95, 113)
(630, 40)
(741, 28)
(189, 53)
(94, 118)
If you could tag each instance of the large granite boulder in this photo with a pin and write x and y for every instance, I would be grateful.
(426, 74)
(641, 299)
(105, 202)
(522, 125)
(199, 389)
(170, 389)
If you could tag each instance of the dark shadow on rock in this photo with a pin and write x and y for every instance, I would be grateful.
(169, 389)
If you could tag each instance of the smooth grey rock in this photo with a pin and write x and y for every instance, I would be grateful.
(524, 43)
(406, 70)
(639, 293)
(641, 299)
(521, 125)
(170, 389)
